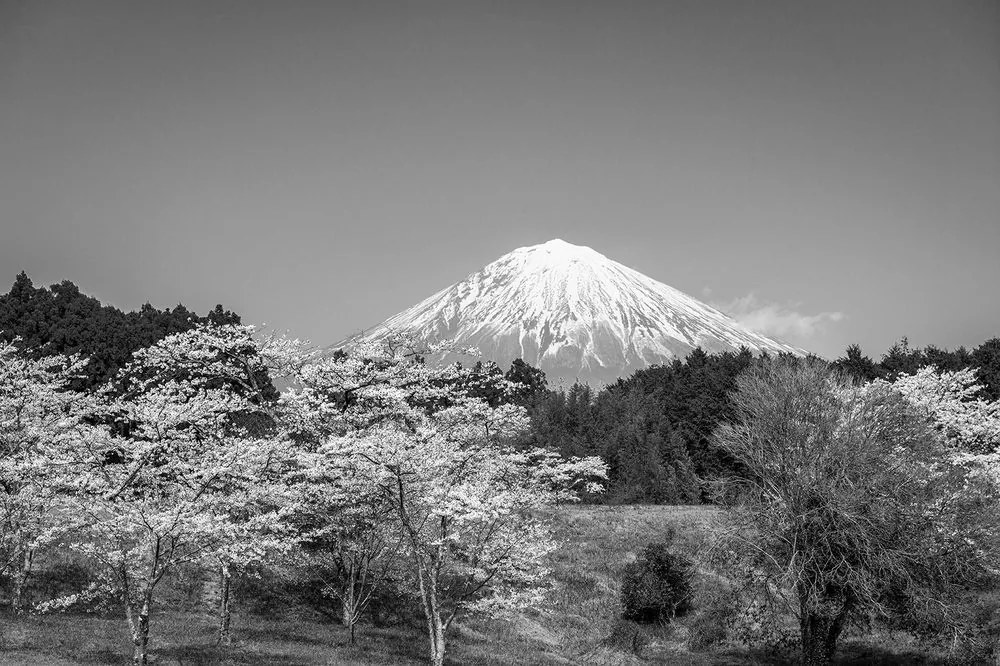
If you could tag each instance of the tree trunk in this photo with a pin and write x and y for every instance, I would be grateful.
(21, 581)
(819, 638)
(432, 610)
(349, 618)
(350, 600)
(225, 606)
(138, 623)
(437, 642)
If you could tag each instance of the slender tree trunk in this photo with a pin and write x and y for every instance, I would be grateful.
(141, 656)
(138, 622)
(438, 647)
(21, 581)
(349, 614)
(432, 610)
(225, 606)
(350, 602)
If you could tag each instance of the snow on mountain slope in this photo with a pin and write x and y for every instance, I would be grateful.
(573, 312)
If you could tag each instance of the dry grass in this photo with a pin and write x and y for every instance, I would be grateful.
(583, 613)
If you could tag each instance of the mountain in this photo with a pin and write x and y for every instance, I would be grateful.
(572, 312)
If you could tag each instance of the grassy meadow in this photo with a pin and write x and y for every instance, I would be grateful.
(580, 625)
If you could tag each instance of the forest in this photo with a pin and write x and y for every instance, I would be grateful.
(655, 428)
(150, 464)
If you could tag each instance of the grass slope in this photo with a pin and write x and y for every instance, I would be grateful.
(574, 629)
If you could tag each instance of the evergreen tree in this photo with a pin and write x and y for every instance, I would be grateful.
(901, 359)
(63, 320)
(986, 359)
(530, 381)
(855, 364)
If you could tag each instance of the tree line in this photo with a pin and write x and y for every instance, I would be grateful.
(654, 429)
(62, 320)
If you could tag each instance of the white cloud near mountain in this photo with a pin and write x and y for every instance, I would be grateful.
(782, 320)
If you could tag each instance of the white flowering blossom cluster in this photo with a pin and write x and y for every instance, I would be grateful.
(372, 459)
(951, 401)
(39, 420)
(968, 425)
(467, 504)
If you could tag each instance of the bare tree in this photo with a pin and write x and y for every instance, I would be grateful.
(848, 503)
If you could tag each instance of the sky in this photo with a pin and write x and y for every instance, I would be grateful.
(828, 172)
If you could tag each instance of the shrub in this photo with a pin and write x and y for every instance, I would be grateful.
(657, 586)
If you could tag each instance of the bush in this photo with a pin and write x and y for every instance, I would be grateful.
(657, 586)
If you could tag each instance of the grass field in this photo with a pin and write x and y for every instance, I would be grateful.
(575, 628)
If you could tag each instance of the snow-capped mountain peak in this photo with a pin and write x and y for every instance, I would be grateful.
(573, 312)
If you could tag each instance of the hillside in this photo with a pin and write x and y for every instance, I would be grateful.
(576, 627)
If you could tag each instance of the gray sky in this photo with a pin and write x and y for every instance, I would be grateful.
(830, 170)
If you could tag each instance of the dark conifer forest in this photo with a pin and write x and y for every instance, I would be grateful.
(654, 428)
(62, 320)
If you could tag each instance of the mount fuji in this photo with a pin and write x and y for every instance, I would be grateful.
(572, 312)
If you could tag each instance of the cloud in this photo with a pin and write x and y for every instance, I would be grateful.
(776, 319)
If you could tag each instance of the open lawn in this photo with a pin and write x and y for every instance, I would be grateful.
(576, 628)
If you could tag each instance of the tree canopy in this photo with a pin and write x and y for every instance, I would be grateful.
(62, 320)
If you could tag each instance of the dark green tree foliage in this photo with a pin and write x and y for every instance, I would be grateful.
(563, 420)
(986, 360)
(648, 460)
(484, 383)
(859, 366)
(902, 359)
(657, 586)
(530, 381)
(653, 429)
(62, 320)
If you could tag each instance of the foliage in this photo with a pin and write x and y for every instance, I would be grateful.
(378, 478)
(467, 503)
(657, 586)
(62, 320)
(653, 429)
(168, 477)
(346, 539)
(902, 359)
(39, 423)
(580, 613)
(842, 484)
(950, 401)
